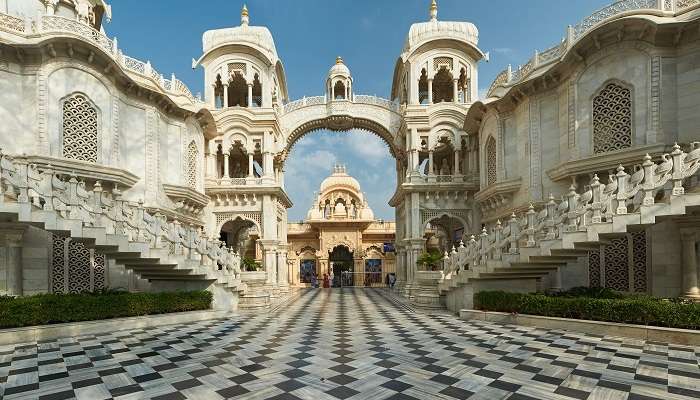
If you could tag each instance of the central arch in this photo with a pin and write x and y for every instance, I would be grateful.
(367, 113)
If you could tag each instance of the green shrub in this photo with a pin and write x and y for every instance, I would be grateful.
(640, 310)
(57, 308)
(592, 292)
(250, 264)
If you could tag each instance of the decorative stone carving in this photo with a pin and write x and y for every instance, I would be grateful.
(80, 129)
(612, 118)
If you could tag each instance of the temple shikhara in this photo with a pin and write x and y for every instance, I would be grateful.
(577, 168)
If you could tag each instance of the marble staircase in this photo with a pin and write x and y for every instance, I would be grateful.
(169, 254)
(531, 251)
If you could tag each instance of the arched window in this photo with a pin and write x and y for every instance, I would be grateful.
(442, 86)
(80, 129)
(257, 92)
(238, 91)
(339, 90)
(491, 175)
(191, 165)
(423, 88)
(612, 119)
(464, 86)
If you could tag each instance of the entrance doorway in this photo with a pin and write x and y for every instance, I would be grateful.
(342, 266)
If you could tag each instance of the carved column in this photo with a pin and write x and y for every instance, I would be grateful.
(431, 171)
(250, 95)
(212, 96)
(227, 154)
(11, 276)
(430, 91)
(456, 170)
(283, 267)
(225, 105)
(690, 263)
(455, 91)
(251, 170)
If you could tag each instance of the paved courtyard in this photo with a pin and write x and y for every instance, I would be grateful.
(349, 343)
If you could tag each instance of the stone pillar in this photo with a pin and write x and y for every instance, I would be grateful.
(455, 91)
(690, 264)
(282, 268)
(251, 169)
(359, 267)
(431, 171)
(226, 156)
(212, 96)
(11, 277)
(430, 91)
(456, 170)
(250, 95)
(225, 105)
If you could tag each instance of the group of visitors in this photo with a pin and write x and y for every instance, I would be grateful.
(327, 281)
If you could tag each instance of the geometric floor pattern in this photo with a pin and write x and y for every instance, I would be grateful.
(348, 344)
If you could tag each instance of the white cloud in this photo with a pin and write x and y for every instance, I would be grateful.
(367, 146)
(503, 50)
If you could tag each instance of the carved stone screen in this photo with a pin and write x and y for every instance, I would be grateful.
(191, 166)
(621, 264)
(75, 268)
(80, 129)
(612, 119)
(491, 161)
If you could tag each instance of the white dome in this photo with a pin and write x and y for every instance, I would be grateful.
(340, 178)
(339, 69)
(257, 37)
(423, 32)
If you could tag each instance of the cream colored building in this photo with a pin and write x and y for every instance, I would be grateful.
(113, 174)
(340, 234)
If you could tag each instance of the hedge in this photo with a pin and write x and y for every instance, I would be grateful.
(45, 309)
(640, 310)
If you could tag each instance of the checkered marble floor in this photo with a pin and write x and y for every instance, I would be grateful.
(348, 344)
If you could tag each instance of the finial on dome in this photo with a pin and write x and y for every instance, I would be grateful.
(339, 60)
(244, 16)
(433, 10)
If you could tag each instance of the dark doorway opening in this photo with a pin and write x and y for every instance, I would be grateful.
(342, 266)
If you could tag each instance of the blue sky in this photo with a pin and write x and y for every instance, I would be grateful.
(368, 34)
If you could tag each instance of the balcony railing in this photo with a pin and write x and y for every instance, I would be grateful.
(618, 9)
(357, 99)
(51, 24)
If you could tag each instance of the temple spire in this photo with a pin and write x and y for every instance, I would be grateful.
(244, 16)
(433, 10)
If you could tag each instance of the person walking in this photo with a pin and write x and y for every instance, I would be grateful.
(314, 281)
(325, 281)
(331, 278)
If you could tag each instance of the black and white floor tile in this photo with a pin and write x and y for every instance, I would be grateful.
(348, 344)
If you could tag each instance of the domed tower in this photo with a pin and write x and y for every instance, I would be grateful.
(438, 63)
(241, 67)
(340, 198)
(339, 82)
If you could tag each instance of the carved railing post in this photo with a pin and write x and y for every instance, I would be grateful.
(21, 183)
(677, 177)
(531, 223)
(572, 201)
(622, 179)
(483, 246)
(497, 233)
(597, 205)
(648, 183)
(551, 223)
(97, 203)
(73, 201)
(514, 234)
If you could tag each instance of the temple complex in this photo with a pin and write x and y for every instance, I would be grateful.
(341, 236)
(576, 168)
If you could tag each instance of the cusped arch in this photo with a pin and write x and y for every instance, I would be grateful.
(344, 124)
(235, 218)
(449, 215)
